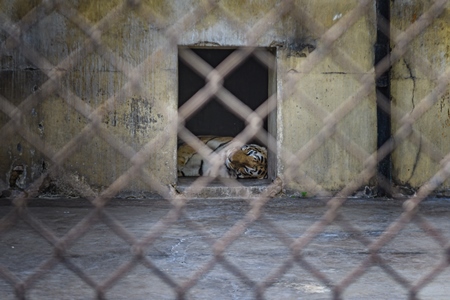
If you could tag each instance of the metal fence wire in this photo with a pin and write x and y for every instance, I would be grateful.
(11, 39)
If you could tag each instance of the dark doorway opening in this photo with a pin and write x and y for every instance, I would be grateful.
(248, 82)
(252, 82)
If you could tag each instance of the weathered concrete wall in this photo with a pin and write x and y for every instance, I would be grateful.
(144, 114)
(329, 85)
(134, 119)
(410, 84)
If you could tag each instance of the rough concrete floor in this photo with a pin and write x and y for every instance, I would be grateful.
(183, 249)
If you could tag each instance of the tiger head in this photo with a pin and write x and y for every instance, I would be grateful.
(249, 161)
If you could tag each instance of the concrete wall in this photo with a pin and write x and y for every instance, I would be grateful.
(412, 163)
(328, 85)
(142, 115)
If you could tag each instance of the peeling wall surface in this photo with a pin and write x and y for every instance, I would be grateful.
(139, 115)
(413, 78)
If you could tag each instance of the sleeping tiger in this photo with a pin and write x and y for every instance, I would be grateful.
(248, 161)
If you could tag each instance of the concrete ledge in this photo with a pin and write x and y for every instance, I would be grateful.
(224, 188)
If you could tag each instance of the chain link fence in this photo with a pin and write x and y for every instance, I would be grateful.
(400, 42)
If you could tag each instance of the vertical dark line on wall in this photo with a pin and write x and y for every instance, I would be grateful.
(382, 49)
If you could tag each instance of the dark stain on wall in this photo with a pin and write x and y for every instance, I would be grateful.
(140, 117)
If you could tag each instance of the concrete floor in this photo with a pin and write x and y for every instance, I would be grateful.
(183, 249)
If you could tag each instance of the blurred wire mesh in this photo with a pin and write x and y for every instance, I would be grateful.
(400, 41)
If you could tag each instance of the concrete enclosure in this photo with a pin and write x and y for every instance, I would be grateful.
(143, 46)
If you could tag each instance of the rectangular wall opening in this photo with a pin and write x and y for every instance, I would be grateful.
(252, 82)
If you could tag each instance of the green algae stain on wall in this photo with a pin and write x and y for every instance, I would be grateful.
(245, 10)
(94, 11)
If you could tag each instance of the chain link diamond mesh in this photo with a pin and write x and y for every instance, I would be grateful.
(133, 73)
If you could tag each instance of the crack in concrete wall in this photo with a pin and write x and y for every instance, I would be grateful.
(413, 78)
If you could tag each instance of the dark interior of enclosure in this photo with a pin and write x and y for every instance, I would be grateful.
(251, 82)
(248, 82)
